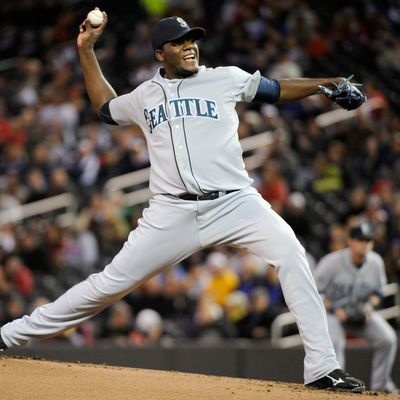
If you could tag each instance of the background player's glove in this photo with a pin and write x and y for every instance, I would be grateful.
(356, 314)
(346, 94)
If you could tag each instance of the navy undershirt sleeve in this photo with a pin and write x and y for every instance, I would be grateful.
(105, 114)
(269, 91)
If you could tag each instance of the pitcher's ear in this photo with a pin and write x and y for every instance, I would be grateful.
(159, 55)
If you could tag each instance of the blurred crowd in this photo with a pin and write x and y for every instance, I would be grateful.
(319, 177)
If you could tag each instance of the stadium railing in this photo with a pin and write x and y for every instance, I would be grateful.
(64, 203)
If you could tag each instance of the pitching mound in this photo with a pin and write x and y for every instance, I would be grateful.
(37, 379)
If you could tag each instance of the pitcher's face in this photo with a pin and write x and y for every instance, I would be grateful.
(180, 58)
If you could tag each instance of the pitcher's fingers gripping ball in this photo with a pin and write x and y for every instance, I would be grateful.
(95, 17)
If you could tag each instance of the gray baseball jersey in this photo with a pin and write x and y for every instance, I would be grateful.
(180, 118)
(343, 283)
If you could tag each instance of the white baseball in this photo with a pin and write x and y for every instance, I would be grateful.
(95, 17)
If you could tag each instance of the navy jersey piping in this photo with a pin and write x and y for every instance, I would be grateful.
(170, 133)
(186, 143)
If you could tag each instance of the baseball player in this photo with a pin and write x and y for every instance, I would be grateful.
(351, 282)
(202, 194)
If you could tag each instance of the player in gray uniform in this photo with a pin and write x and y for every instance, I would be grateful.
(351, 283)
(202, 192)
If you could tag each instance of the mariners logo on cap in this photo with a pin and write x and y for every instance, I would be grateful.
(182, 22)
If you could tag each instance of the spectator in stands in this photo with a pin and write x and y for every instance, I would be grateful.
(260, 315)
(37, 186)
(357, 201)
(329, 169)
(88, 163)
(269, 280)
(119, 324)
(7, 200)
(295, 214)
(14, 186)
(88, 250)
(5, 285)
(14, 159)
(209, 322)
(40, 160)
(273, 186)
(223, 280)
(284, 67)
(151, 295)
(337, 238)
(14, 307)
(20, 276)
(197, 280)
(250, 269)
(148, 328)
(103, 216)
(59, 182)
(35, 252)
(236, 309)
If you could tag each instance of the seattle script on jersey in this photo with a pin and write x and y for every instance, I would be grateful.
(178, 108)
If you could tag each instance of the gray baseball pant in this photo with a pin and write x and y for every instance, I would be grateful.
(172, 229)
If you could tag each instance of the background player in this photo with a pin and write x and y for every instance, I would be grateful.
(202, 193)
(351, 282)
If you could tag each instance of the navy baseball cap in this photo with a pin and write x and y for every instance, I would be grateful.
(361, 232)
(173, 28)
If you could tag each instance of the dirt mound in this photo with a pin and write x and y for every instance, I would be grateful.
(52, 380)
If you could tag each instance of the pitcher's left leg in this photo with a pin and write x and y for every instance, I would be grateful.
(250, 222)
(166, 234)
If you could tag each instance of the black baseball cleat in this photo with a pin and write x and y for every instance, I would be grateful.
(340, 381)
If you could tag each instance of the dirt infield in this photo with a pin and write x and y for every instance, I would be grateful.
(22, 379)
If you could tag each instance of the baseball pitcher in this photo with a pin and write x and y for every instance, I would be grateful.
(202, 194)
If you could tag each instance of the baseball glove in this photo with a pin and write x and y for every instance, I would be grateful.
(346, 94)
(356, 315)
